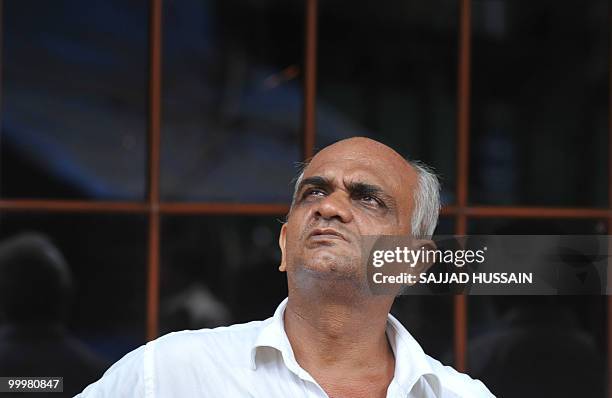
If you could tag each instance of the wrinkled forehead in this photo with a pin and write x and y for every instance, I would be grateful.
(373, 163)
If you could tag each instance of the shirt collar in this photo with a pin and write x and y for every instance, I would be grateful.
(410, 361)
(271, 334)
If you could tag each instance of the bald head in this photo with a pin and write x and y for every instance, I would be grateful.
(366, 149)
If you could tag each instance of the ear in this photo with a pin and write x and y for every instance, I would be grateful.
(282, 240)
(425, 244)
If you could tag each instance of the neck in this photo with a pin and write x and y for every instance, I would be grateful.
(339, 334)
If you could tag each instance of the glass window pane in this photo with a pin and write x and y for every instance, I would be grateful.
(232, 100)
(446, 226)
(219, 270)
(511, 226)
(389, 73)
(104, 257)
(534, 346)
(540, 103)
(74, 84)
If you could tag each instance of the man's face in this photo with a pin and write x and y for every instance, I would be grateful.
(353, 188)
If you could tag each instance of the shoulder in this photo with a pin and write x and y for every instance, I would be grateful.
(123, 379)
(456, 384)
(176, 355)
(227, 343)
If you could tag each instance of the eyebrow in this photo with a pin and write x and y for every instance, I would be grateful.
(316, 181)
(364, 188)
(354, 187)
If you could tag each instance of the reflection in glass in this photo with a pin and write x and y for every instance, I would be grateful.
(389, 73)
(232, 100)
(74, 88)
(511, 226)
(219, 270)
(82, 300)
(539, 103)
(106, 255)
(533, 346)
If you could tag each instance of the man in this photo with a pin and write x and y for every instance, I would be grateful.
(35, 293)
(332, 337)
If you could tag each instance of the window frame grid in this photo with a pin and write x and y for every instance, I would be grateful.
(461, 212)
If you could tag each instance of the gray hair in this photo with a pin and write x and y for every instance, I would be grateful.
(426, 199)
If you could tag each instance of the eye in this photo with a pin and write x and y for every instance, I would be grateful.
(314, 192)
(371, 200)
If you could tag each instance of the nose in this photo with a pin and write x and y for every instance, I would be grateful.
(335, 206)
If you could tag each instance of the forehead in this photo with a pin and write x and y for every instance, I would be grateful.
(371, 163)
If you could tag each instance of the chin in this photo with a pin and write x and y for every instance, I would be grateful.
(331, 278)
(333, 267)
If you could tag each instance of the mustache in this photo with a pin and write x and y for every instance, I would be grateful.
(317, 227)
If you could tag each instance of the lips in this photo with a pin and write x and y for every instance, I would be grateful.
(326, 233)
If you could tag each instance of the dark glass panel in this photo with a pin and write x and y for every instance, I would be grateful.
(540, 73)
(219, 270)
(533, 346)
(389, 73)
(74, 86)
(78, 327)
(232, 100)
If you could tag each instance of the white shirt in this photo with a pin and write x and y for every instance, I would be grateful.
(255, 359)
